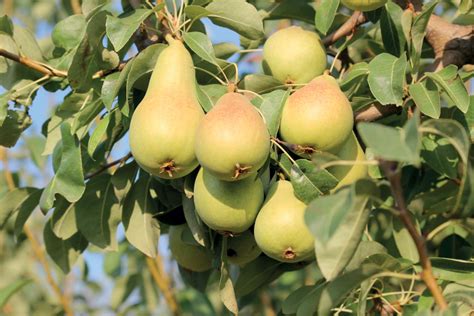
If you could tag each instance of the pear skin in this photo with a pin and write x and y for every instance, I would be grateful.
(163, 126)
(317, 117)
(280, 230)
(232, 140)
(227, 207)
(193, 257)
(242, 249)
(347, 175)
(294, 55)
(363, 5)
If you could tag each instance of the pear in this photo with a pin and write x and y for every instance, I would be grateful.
(364, 5)
(242, 249)
(347, 175)
(232, 140)
(293, 55)
(227, 207)
(188, 253)
(317, 117)
(163, 127)
(280, 230)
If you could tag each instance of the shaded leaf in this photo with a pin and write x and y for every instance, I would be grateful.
(120, 29)
(387, 77)
(325, 13)
(426, 98)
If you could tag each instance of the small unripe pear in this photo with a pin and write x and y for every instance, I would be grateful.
(163, 126)
(232, 141)
(189, 254)
(227, 207)
(293, 55)
(363, 5)
(242, 249)
(346, 175)
(317, 117)
(280, 229)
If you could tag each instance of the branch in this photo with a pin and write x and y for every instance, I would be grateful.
(159, 276)
(375, 112)
(394, 177)
(30, 63)
(345, 29)
(109, 165)
(76, 6)
(34, 243)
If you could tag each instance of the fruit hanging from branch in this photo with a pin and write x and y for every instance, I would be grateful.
(364, 5)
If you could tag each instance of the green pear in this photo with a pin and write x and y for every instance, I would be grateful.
(364, 5)
(346, 175)
(227, 207)
(317, 117)
(232, 140)
(188, 253)
(280, 229)
(242, 249)
(293, 55)
(163, 127)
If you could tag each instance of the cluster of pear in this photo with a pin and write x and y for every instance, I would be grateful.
(170, 136)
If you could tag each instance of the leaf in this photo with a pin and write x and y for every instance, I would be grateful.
(98, 134)
(356, 73)
(63, 252)
(90, 7)
(271, 109)
(440, 155)
(226, 288)
(14, 124)
(261, 271)
(294, 300)
(426, 98)
(237, 15)
(6, 25)
(259, 83)
(209, 94)
(391, 29)
(113, 83)
(12, 202)
(123, 179)
(69, 178)
(365, 249)
(63, 220)
(325, 13)
(141, 229)
(120, 29)
(201, 45)
(387, 77)
(392, 143)
(9, 290)
(69, 32)
(417, 34)
(197, 228)
(25, 209)
(455, 89)
(99, 225)
(294, 10)
(465, 6)
(405, 243)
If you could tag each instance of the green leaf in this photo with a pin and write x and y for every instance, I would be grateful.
(391, 29)
(237, 15)
(35, 145)
(259, 272)
(426, 98)
(90, 7)
(123, 287)
(69, 32)
(225, 50)
(113, 83)
(99, 225)
(63, 252)
(197, 228)
(405, 243)
(387, 78)
(356, 73)
(25, 210)
(294, 300)
(209, 94)
(393, 143)
(259, 83)
(6, 25)
(141, 229)
(226, 288)
(63, 220)
(309, 181)
(299, 10)
(201, 45)
(9, 290)
(325, 13)
(271, 108)
(12, 202)
(98, 134)
(120, 29)
(451, 269)
(69, 178)
(454, 88)
(440, 155)
(465, 6)
(14, 124)
(417, 34)
(123, 179)
(365, 249)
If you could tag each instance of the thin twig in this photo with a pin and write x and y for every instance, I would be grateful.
(107, 166)
(156, 270)
(345, 29)
(393, 175)
(76, 6)
(44, 69)
(375, 112)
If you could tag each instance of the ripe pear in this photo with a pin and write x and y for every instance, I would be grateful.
(189, 255)
(293, 55)
(232, 140)
(363, 5)
(346, 175)
(242, 249)
(317, 117)
(227, 207)
(163, 127)
(280, 229)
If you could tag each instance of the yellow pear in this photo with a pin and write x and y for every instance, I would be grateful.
(227, 207)
(189, 254)
(163, 127)
(232, 140)
(317, 117)
(280, 230)
(352, 151)
(364, 5)
(294, 55)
